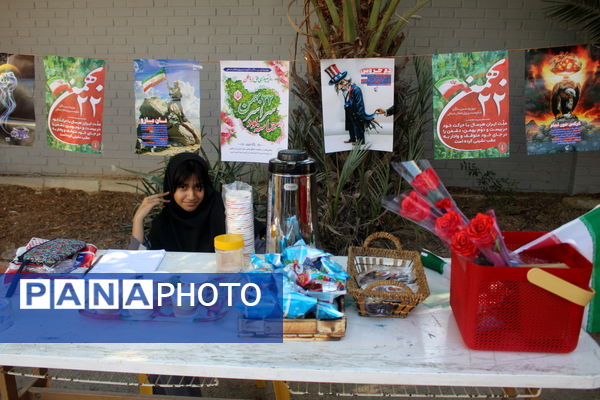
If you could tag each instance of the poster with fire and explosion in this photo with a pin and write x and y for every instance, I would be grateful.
(75, 102)
(470, 105)
(561, 95)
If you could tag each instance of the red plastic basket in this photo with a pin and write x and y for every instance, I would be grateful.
(497, 308)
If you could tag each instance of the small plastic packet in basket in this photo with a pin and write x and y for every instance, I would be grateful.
(386, 282)
(405, 275)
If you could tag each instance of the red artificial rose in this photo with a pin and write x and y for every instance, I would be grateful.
(447, 225)
(445, 204)
(414, 207)
(425, 181)
(461, 244)
(482, 230)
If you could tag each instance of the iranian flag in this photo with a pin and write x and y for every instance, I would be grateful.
(57, 85)
(450, 85)
(154, 80)
(582, 233)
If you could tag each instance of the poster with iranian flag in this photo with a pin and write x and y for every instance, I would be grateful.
(74, 102)
(167, 106)
(254, 110)
(470, 105)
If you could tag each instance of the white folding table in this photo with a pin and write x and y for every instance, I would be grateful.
(423, 349)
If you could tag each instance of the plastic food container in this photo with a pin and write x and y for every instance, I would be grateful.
(229, 250)
(502, 309)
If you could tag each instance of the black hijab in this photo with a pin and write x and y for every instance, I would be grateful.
(175, 229)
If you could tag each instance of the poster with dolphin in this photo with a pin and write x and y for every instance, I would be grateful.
(17, 116)
(470, 105)
(74, 103)
(562, 91)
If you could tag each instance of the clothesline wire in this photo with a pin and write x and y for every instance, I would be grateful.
(209, 61)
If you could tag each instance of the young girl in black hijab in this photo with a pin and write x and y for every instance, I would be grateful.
(193, 212)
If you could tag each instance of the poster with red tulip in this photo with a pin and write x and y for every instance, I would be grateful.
(74, 102)
(254, 110)
(561, 99)
(470, 105)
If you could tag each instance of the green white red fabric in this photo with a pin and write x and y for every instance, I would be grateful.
(582, 233)
(450, 85)
(154, 80)
(57, 85)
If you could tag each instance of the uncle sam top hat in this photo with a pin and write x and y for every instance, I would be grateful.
(335, 74)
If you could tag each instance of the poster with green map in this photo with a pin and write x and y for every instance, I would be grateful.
(254, 110)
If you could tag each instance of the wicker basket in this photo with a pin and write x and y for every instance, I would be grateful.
(374, 302)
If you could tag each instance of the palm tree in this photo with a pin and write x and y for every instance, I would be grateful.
(352, 183)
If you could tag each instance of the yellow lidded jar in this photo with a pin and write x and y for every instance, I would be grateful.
(229, 250)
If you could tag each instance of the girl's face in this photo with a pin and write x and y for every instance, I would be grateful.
(189, 194)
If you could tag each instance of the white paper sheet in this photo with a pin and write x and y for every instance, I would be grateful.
(142, 261)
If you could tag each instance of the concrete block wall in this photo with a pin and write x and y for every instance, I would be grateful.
(213, 30)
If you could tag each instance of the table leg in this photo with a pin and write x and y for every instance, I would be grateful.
(41, 382)
(143, 378)
(512, 393)
(8, 385)
(36, 382)
(281, 391)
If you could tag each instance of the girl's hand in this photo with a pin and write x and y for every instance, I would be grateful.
(137, 227)
(148, 204)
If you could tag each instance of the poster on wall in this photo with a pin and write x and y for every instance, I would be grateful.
(167, 106)
(74, 103)
(254, 110)
(358, 103)
(17, 116)
(470, 105)
(562, 92)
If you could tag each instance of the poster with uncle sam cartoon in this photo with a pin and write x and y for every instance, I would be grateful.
(358, 103)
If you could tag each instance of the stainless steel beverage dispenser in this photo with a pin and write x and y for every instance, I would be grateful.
(291, 200)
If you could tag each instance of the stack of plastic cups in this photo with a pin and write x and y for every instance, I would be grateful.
(239, 215)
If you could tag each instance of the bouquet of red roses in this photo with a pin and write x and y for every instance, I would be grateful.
(431, 206)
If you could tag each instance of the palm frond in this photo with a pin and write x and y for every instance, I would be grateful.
(374, 16)
(354, 160)
(583, 13)
(377, 184)
(382, 25)
(335, 16)
(349, 21)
